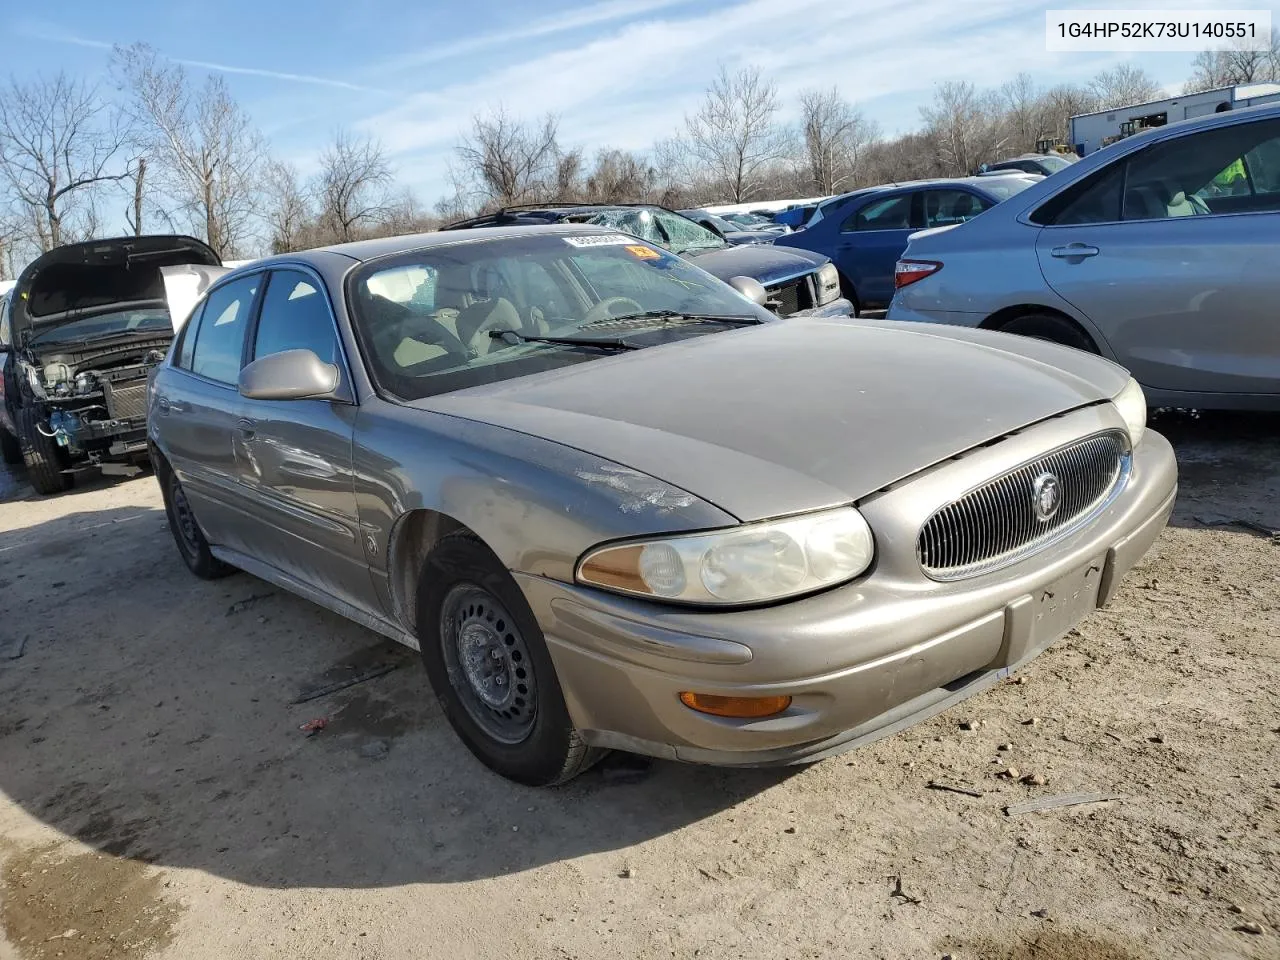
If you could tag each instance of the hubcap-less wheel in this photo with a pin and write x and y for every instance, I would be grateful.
(186, 520)
(488, 663)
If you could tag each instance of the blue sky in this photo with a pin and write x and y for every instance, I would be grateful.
(622, 72)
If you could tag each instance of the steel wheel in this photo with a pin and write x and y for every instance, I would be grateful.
(189, 535)
(488, 663)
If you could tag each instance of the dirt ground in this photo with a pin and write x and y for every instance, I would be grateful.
(158, 800)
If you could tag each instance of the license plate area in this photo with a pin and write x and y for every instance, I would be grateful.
(1062, 604)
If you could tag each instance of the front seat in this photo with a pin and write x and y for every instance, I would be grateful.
(475, 321)
(962, 209)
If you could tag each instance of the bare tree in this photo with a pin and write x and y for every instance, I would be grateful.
(619, 177)
(835, 137)
(1124, 85)
(59, 142)
(352, 185)
(507, 161)
(1233, 65)
(287, 207)
(967, 128)
(208, 153)
(734, 136)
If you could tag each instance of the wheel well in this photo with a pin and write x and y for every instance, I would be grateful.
(1001, 317)
(412, 538)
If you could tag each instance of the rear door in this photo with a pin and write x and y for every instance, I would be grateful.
(1172, 253)
(293, 457)
(872, 238)
(195, 406)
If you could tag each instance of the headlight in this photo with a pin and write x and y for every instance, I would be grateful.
(753, 563)
(1132, 404)
(828, 278)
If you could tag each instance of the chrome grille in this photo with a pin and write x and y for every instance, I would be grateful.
(791, 297)
(997, 523)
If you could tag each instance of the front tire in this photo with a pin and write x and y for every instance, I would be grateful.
(45, 460)
(186, 531)
(10, 448)
(490, 669)
(1055, 329)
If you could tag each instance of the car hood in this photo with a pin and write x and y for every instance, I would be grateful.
(795, 416)
(751, 236)
(764, 262)
(81, 279)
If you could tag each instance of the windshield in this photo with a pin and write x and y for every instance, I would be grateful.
(151, 320)
(1002, 188)
(427, 319)
(667, 229)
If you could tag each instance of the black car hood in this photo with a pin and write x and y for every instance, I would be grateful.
(750, 236)
(764, 262)
(81, 279)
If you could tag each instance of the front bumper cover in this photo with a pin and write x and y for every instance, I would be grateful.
(861, 661)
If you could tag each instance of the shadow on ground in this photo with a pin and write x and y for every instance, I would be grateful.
(150, 715)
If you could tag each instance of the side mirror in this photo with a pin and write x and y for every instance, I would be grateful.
(289, 375)
(750, 288)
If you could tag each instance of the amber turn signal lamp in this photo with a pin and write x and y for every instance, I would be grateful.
(741, 708)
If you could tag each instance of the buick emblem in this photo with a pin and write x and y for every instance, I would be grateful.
(1046, 497)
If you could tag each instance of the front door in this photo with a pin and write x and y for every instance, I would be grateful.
(294, 456)
(1172, 253)
(871, 240)
(194, 408)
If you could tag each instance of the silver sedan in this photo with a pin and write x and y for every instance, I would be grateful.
(1158, 252)
(615, 506)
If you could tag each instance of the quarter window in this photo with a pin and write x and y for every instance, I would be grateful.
(220, 337)
(893, 213)
(295, 316)
(1095, 200)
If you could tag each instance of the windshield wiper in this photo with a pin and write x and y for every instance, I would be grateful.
(677, 315)
(602, 343)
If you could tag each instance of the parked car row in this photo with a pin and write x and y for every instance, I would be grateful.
(865, 232)
(1158, 252)
(796, 282)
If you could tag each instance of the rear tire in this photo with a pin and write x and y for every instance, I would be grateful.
(490, 669)
(186, 531)
(10, 448)
(45, 460)
(1055, 329)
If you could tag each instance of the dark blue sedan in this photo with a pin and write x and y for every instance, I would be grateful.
(866, 231)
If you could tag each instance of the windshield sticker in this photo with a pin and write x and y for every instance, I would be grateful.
(644, 253)
(600, 240)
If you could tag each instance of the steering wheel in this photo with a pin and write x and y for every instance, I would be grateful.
(612, 307)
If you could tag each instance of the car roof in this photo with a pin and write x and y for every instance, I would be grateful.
(365, 250)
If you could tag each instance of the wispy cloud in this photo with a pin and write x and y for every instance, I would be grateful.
(53, 35)
(593, 15)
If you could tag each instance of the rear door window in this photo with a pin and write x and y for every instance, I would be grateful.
(219, 341)
(1094, 200)
(946, 208)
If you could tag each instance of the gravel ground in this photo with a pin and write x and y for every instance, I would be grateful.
(157, 798)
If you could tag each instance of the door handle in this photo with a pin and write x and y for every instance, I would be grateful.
(162, 404)
(246, 428)
(1074, 251)
(166, 405)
